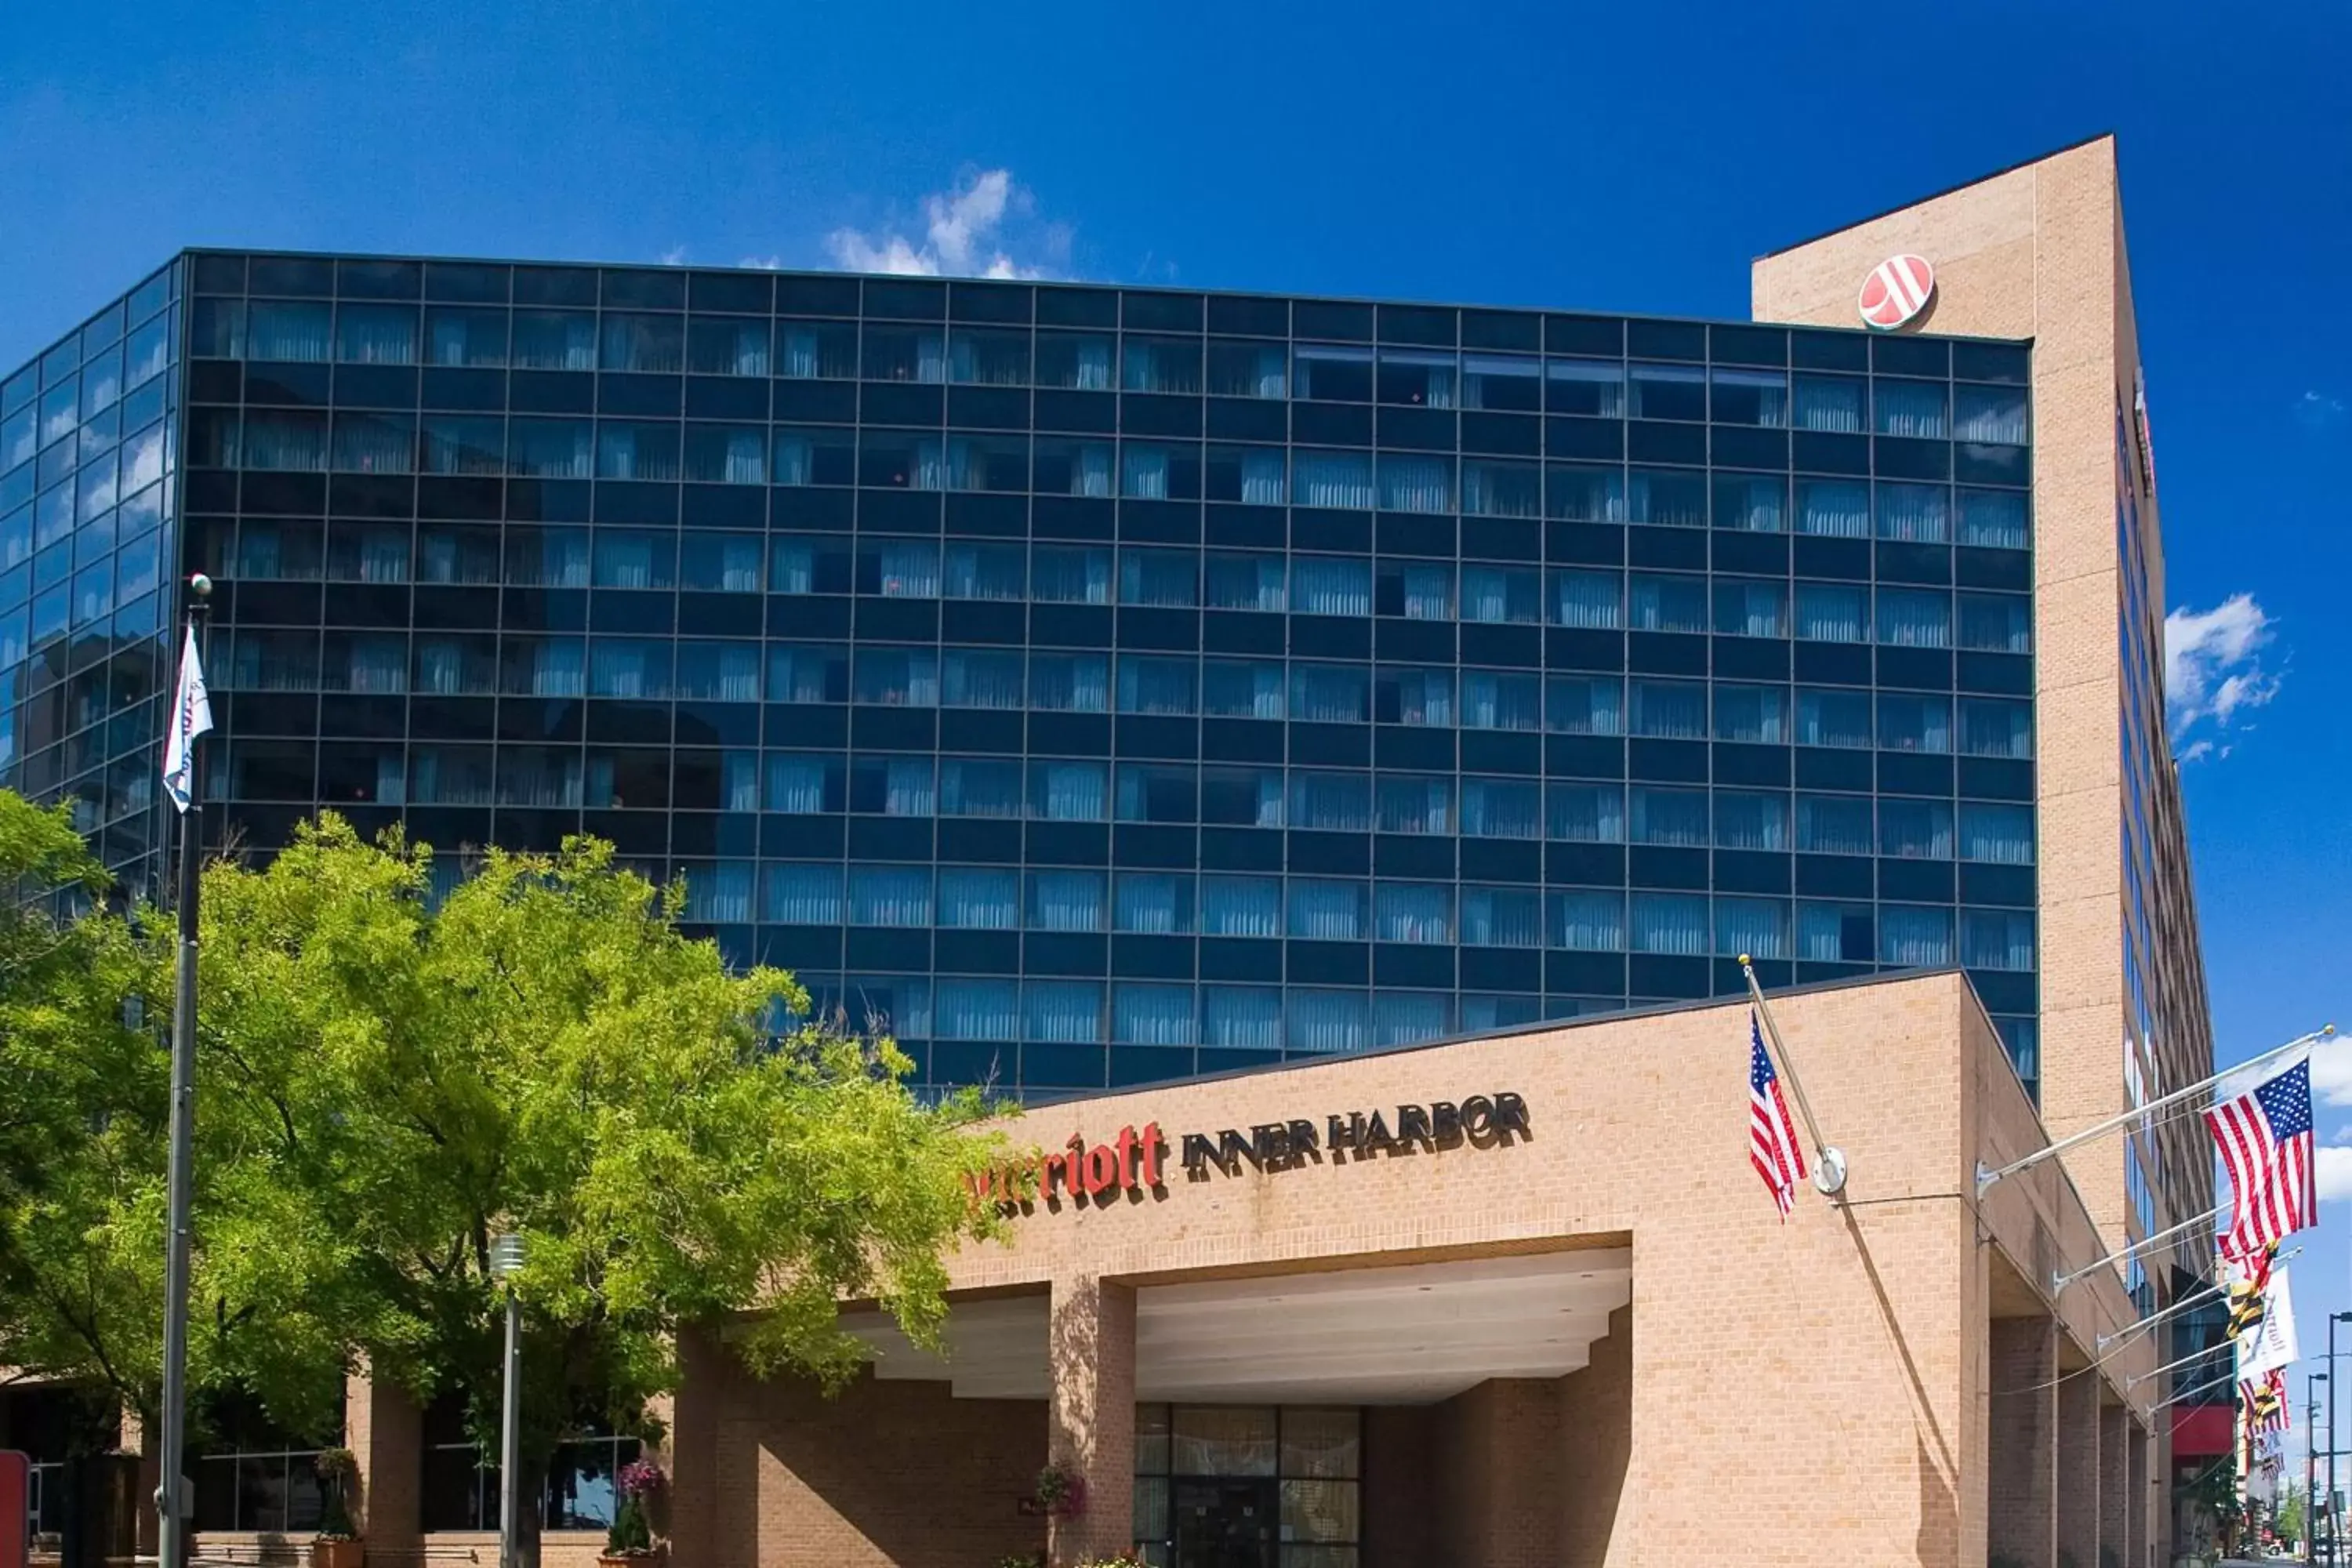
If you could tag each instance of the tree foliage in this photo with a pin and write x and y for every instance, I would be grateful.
(82, 1117)
(385, 1086)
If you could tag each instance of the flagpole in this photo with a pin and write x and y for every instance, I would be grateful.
(2130, 1384)
(171, 1498)
(1986, 1178)
(2058, 1283)
(1829, 1163)
(2194, 1298)
(2206, 1386)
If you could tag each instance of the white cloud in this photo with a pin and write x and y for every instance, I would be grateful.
(2214, 670)
(770, 263)
(674, 257)
(2318, 409)
(2335, 1170)
(964, 234)
(2331, 1077)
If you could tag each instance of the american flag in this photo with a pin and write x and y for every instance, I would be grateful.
(1772, 1146)
(2266, 1143)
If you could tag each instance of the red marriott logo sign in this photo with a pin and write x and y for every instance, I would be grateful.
(1135, 1160)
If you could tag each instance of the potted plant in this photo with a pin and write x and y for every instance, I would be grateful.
(630, 1539)
(1061, 1492)
(338, 1544)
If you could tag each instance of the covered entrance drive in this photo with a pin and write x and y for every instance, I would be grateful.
(1342, 1335)
(1317, 1420)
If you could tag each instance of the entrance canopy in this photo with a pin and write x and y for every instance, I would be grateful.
(1404, 1335)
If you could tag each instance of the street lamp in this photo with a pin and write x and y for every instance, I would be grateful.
(506, 1262)
(2311, 1382)
(2333, 1318)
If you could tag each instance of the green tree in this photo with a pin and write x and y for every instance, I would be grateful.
(384, 1086)
(82, 1119)
(85, 1001)
(388, 1086)
(2289, 1512)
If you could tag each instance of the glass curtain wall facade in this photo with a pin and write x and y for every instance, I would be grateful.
(1098, 686)
(88, 437)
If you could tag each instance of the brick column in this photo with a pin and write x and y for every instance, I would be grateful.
(2078, 1471)
(147, 1450)
(385, 1432)
(2139, 1513)
(2021, 1448)
(1090, 1419)
(2115, 1494)
(692, 1460)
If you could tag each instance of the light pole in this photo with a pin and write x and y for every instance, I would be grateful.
(2333, 1536)
(2311, 1382)
(506, 1262)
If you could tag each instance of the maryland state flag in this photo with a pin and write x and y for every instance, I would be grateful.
(2250, 1281)
(2245, 1311)
(2265, 1402)
(2259, 1402)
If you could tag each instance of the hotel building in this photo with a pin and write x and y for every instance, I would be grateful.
(1109, 688)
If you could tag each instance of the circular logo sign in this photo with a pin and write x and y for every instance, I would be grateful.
(1896, 289)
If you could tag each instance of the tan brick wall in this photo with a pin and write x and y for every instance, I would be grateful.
(709, 1383)
(1464, 1432)
(2144, 1514)
(2115, 1496)
(1502, 1463)
(1870, 1317)
(2079, 1469)
(890, 1473)
(2038, 252)
(1091, 1345)
(1401, 1524)
(1596, 1449)
(2023, 1522)
(385, 1432)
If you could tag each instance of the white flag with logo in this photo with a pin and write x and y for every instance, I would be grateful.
(2274, 1344)
(192, 715)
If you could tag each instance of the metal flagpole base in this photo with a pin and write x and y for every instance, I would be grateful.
(1829, 1172)
(1985, 1178)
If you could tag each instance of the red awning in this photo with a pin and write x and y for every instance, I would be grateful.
(2203, 1431)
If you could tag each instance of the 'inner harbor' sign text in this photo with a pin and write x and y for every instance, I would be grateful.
(1133, 1163)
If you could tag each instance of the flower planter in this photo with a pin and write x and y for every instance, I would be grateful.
(338, 1553)
(629, 1559)
(1061, 1494)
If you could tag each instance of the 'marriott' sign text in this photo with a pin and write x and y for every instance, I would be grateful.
(1134, 1161)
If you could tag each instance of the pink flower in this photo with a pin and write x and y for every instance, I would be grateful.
(640, 1479)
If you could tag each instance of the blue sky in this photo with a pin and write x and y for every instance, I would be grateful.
(1630, 158)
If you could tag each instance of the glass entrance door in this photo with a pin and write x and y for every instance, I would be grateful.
(1227, 1522)
(1247, 1486)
